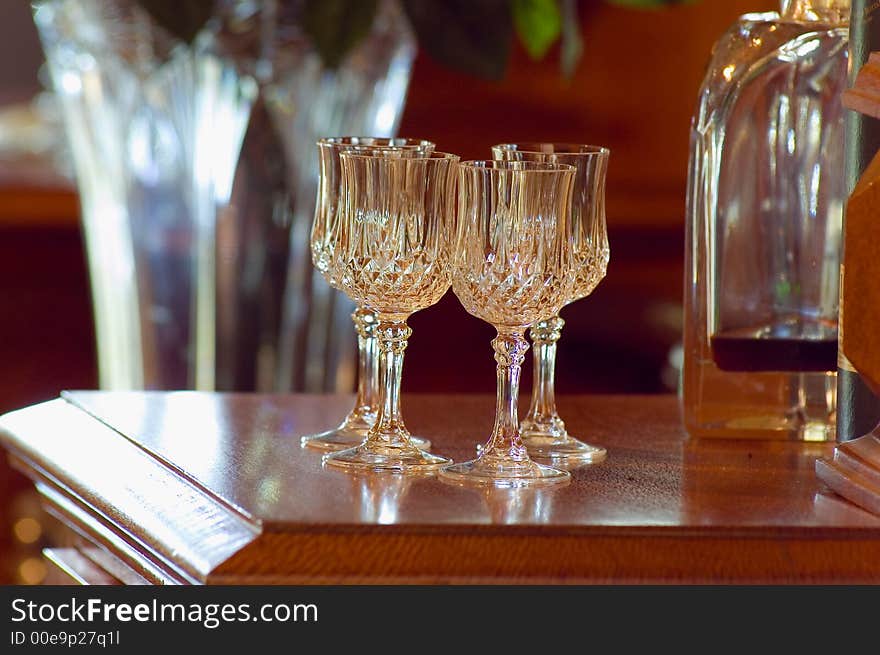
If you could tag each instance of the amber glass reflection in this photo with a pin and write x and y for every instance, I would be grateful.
(389, 251)
(543, 431)
(512, 266)
(353, 429)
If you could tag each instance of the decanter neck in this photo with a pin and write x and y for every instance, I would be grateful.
(825, 11)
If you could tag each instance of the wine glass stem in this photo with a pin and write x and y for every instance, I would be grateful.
(365, 323)
(393, 336)
(510, 349)
(544, 336)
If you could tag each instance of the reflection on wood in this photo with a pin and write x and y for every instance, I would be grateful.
(854, 471)
(182, 488)
(84, 467)
(68, 566)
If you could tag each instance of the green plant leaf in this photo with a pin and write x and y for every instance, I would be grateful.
(572, 45)
(538, 24)
(336, 26)
(181, 18)
(472, 36)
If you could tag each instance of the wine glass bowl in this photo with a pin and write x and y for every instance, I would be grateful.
(353, 429)
(390, 251)
(543, 430)
(512, 265)
(330, 179)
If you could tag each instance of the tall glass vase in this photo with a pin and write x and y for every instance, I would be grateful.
(197, 173)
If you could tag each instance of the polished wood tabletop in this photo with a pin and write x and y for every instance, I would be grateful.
(197, 487)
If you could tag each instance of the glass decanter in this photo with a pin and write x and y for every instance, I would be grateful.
(766, 191)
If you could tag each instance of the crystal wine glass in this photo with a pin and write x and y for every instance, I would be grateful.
(512, 265)
(353, 429)
(543, 431)
(389, 250)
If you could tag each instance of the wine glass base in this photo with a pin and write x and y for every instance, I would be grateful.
(567, 449)
(347, 437)
(366, 457)
(480, 472)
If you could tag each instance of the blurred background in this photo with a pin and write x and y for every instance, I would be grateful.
(634, 91)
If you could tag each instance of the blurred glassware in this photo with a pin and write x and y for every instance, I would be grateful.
(197, 175)
(390, 246)
(512, 265)
(353, 429)
(543, 431)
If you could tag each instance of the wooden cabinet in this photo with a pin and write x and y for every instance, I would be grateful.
(191, 488)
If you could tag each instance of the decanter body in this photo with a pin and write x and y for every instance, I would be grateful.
(766, 192)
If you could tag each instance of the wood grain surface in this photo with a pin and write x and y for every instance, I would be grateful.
(68, 566)
(662, 507)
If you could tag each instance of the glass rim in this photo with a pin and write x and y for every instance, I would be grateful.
(515, 166)
(432, 156)
(552, 148)
(389, 142)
